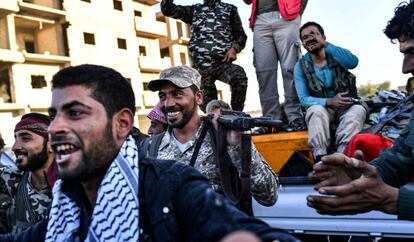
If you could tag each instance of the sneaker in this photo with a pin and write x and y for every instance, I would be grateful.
(262, 130)
(298, 124)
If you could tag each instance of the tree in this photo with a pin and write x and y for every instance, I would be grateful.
(369, 89)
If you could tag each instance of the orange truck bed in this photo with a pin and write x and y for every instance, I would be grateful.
(277, 148)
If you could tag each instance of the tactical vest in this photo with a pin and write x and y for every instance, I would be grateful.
(211, 34)
(343, 80)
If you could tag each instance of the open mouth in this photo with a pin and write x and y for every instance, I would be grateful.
(63, 151)
(20, 156)
(172, 114)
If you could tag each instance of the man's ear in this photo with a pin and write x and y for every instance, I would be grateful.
(199, 97)
(122, 123)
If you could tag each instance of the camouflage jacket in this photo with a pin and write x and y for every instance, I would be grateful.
(39, 200)
(396, 167)
(214, 30)
(264, 182)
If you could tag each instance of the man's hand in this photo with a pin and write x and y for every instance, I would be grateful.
(241, 236)
(233, 136)
(230, 56)
(366, 193)
(336, 169)
(339, 101)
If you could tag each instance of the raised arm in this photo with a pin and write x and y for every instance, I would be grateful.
(169, 9)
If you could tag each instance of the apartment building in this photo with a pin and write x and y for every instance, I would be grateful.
(39, 37)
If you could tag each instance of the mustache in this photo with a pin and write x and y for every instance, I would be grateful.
(20, 152)
(63, 138)
(171, 109)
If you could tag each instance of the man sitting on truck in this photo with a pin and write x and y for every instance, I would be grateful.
(350, 185)
(180, 96)
(326, 89)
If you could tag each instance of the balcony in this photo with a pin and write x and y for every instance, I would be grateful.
(150, 28)
(45, 9)
(148, 2)
(46, 58)
(11, 56)
(151, 64)
(8, 6)
(40, 40)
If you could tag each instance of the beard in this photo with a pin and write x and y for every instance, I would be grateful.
(36, 161)
(186, 116)
(95, 160)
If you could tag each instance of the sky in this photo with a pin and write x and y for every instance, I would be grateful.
(356, 25)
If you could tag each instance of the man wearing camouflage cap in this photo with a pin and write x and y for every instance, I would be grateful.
(28, 186)
(179, 93)
(217, 37)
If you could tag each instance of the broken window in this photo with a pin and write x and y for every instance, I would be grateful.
(29, 46)
(38, 82)
(137, 13)
(89, 38)
(118, 5)
(183, 58)
(145, 86)
(165, 52)
(180, 29)
(5, 92)
(142, 51)
(122, 44)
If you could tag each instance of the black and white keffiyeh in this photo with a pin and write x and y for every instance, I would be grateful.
(116, 214)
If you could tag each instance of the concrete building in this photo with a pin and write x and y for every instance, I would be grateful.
(39, 37)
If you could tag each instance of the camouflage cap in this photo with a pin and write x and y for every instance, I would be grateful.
(181, 76)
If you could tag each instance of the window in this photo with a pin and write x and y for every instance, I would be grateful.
(122, 44)
(183, 58)
(118, 5)
(145, 86)
(180, 29)
(89, 38)
(137, 13)
(29, 46)
(165, 52)
(38, 82)
(142, 51)
(5, 92)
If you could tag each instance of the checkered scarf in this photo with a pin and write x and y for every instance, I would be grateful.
(115, 216)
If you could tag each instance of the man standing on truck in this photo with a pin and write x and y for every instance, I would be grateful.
(191, 140)
(217, 37)
(355, 186)
(275, 25)
(326, 89)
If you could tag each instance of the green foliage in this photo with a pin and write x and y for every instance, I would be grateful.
(369, 89)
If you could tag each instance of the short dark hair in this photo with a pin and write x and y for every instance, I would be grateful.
(310, 23)
(108, 86)
(194, 88)
(402, 24)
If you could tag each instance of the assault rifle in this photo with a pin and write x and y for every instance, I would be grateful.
(242, 121)
(401, 107)
(237, 186)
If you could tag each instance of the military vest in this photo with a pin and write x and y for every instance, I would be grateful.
(343, 80)
(211, 34)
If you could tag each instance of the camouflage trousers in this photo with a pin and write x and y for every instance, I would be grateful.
(229, 73)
